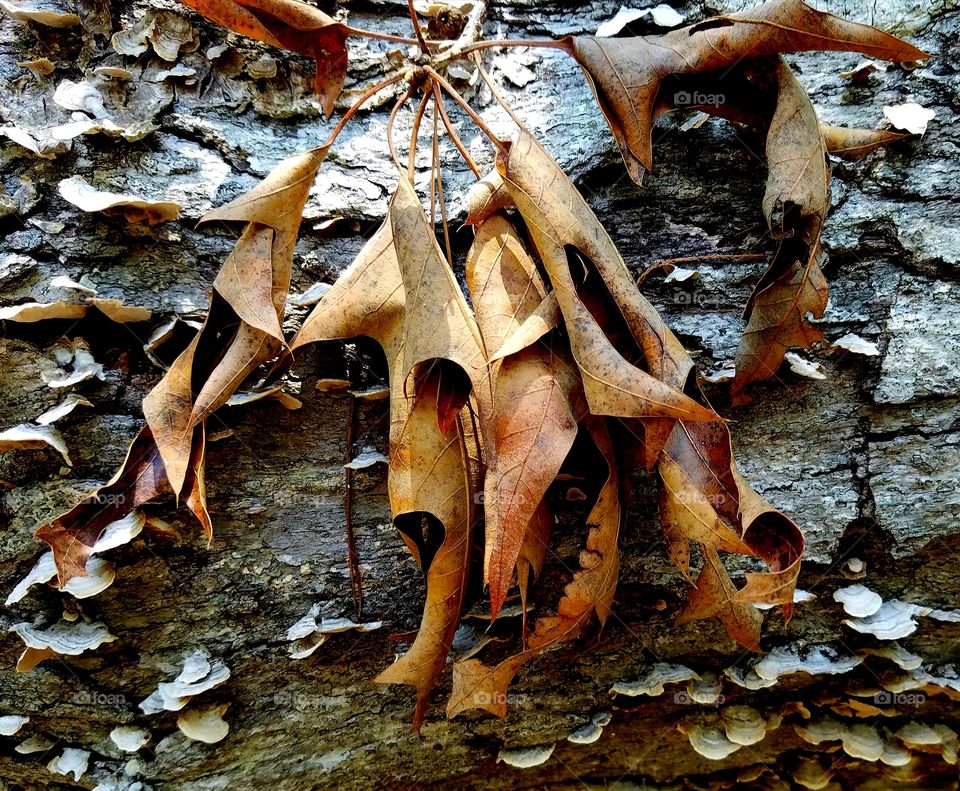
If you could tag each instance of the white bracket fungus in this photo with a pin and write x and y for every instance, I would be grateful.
(662, 15)
(85, 196)
(947, 678)
(745, 726)
(709, 742)
(706, 689)
(11, 723)
(857, 345)
(786, 659)
(858, 600)
(813, 773)
(526, 757)
(307, 635)
(367, 458)
(72, 761)
(198, 675)
(854, 568)
(27, 436)
(896, 654)
(591, 731)
(61, 639)
(205, 725)
(35, 744)
(919, 735)
(129, 738)
(40, 12)
(858, 740)
(652, 682)
(100, 572)
(895, 619)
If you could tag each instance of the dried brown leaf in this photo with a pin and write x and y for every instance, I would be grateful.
(292, 25)
(626, 73)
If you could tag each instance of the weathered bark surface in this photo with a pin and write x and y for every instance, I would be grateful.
(866, 460)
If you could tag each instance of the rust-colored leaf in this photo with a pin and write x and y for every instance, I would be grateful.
(795, 205)
(715, 596)
(242, 328)
(854, 144)
(532, 427)
(479, 686)
(73, 535)
(292, 25)
(627, 74)
(561, 223)
(401, 292)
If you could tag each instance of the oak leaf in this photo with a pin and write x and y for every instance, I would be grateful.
(714, 596)
(626, 74)
(532, 426)
(795, 205)
(291, 25)
(559, 222)
(589, 594)
(401, 292)
(242, 327)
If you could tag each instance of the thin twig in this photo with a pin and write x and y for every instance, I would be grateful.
(455, 95)
(438, 181)
(411, 160)
(364, 97)
(496, 92)
(690, 259)
(355, 31)
(517, 42)
(433, 167)
(416, 28)
(452, 133)
(390, 121)
(356, 583)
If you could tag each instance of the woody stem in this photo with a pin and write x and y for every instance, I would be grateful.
(416, 28)
(455, 95)
(365, 97)
(415, 133)
(390, 122)
(453, 133)
(355, 31)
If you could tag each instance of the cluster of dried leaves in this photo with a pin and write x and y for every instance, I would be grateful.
(555, 346)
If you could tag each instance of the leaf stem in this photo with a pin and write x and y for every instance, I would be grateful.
(455, 95)
(496, 92)
(364, 97)
(415, 133)
(390, 121)
(452, 133)
(438, 181)
(416, 28)
(561, 44)
(355, 581)
(355, 31)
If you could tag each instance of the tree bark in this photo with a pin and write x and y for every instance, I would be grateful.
(865, 460)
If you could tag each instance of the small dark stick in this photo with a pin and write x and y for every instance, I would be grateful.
(355, 582)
